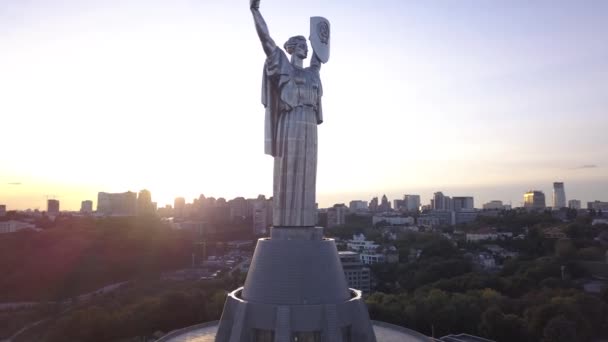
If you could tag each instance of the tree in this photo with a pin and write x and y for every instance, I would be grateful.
(560, 329)
(564, 248)
(590, 253)
(496, 325)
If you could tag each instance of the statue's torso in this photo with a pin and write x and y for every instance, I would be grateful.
(302, 89)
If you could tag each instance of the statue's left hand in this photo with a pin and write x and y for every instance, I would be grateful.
(254, 4)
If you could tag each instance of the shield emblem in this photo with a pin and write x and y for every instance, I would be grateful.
(319, 37)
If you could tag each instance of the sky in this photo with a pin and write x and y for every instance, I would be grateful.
(480, 98)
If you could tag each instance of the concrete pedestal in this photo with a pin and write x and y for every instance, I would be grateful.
(295, 291)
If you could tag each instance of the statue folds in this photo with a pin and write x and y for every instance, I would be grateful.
(291, 95)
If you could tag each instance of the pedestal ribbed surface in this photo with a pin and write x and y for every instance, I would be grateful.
(291, 272)
(295, 290)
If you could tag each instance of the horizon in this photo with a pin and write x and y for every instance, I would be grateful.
(335, 199)
(485, 100)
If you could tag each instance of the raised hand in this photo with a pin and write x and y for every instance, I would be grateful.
(254, 4)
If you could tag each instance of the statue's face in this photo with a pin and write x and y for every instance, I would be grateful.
(301, 49)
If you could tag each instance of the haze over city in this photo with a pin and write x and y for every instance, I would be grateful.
(480, 99)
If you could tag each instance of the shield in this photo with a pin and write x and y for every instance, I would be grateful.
(319, 37)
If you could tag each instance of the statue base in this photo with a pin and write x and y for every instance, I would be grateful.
(295, 291)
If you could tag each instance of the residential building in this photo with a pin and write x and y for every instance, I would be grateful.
(412, 202)
(357, 275)
(2, 210)
(117, 204)
(373, 204)
(239, 208)
(166, 211)
(144, 203)
(359, 244)
(494, 205)
(86, 207)
(385, 205)
(534, 200)
(427, 220)
(445, 217)
(393, 220)
(463, 203)
(386, 255)
(484, 234)
(179, 207)
(465, 216)
(597, 205)
(574, 204)
(399, 204)
(14, 226)
(336, 215)
(370, 258)
(260, 217)
(439, 201)
(52, 207)
(484, 261)
(559, 196)
(357, 205)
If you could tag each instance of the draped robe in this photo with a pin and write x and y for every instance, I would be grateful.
(292, 97)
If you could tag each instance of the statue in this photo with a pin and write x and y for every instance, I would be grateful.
(291, 95)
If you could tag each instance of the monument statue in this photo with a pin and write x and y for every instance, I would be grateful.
(295, 288)
(291, 95)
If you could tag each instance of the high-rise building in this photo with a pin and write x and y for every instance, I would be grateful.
(385, 205)
(494, 205)
(463, 203)
(574, 204)
(261, 213)
(357, 205)
(144, 203)
(412, 202)
(534, 200)
(336, 215)
(117, 204)
(559, 195)
(260, 218)
(86, 207)
(2, 210)
(399, 204)
(52, 207)
(179, 206)
(439, 201)
(373, 204)
(239, 208)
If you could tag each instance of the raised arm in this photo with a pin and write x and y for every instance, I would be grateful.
(260, 26)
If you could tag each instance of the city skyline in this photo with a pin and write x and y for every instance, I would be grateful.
(425, 199)
(116, 97)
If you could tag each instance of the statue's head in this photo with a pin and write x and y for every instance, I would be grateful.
(297, 45)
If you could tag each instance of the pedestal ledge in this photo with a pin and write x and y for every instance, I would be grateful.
(295, 291)
(206, 332)
(296, 233)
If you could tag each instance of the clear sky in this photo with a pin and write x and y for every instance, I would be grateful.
(482, 98)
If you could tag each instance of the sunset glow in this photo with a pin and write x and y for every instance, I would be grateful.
(487, 99)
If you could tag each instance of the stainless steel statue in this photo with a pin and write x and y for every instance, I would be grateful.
(292, 97)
